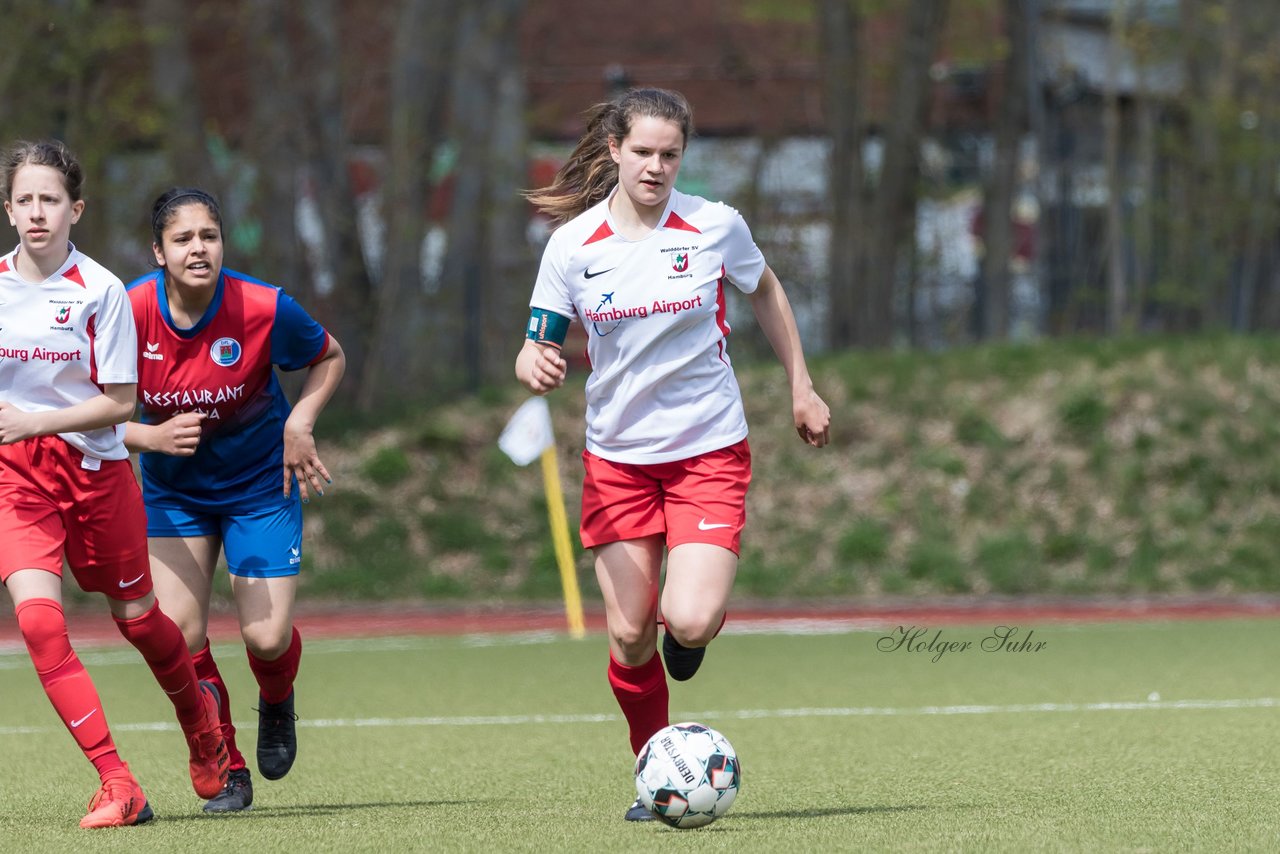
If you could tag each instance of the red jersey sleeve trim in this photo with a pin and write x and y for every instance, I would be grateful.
(74, 275)
(323, 350)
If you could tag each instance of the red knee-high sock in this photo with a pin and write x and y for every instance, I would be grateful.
(275, 677)
(67, 683)
(642, 693)
(162, 646)
(207, 671)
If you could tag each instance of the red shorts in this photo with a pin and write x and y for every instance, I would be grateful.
(702, 499)
(51, 504)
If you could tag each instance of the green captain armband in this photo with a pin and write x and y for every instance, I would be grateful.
(547, 327)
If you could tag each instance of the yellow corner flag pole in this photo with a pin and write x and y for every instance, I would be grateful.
(560, 537)
(528, 436)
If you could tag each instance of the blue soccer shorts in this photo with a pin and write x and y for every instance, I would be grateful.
(264, 543)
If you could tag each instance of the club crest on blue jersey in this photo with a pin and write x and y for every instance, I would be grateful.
(225, 352)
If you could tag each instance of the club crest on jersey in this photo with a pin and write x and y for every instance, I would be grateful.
(681, 262)
(63, 315)
(225, 352)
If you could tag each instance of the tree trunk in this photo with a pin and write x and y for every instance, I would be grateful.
(512, 262)
(896, 192)
(843, 73)
(173, 79)
(1115, 181)
(273, 145)
(997, 203)
(351, 299)
(420, 62)
(484, 27)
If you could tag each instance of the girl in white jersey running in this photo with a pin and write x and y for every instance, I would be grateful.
(644, 268)
(68, 367)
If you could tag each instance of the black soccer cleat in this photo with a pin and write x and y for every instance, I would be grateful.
(638, 812)
(277, 737)
(236, 796)
(682, 661)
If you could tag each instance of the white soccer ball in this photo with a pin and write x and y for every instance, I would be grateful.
(688, 775)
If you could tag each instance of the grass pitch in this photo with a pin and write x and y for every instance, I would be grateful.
(1109, 737)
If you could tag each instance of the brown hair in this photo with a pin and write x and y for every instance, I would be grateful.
(590, 173)
(50, 152)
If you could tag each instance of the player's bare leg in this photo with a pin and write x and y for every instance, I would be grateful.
(182, 573)
(628, 574)
(694, 597)
(265, 607)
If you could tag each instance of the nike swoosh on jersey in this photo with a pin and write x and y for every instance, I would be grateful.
(124, 584)
(76, 724)
(587, 274)
(704, 525)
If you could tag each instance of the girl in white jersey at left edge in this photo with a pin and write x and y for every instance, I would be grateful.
(644, 268)
(68, 369)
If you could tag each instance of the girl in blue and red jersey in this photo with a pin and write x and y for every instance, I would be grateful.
(226, 462)
(67, 372)
(645, 269)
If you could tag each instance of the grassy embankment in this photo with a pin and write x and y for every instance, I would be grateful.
(1142, 466)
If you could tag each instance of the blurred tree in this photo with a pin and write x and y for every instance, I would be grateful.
(327, 154)
(844, 87)
(870, 234)
(57, 80)
(1001, 183)
(1115, 242)
(174, 84)
(896, 192)
(272, 145)
(469, 297)
(421, 59)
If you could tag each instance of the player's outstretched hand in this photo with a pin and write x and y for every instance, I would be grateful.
(15, 424)
(812, 418)
(302, 461)
(180, 435)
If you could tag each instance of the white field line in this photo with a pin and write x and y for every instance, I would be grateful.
(740, 714)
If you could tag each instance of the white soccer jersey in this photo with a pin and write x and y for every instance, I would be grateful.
(62, 339)
(661, 386)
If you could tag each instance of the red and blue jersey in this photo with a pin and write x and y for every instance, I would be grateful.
(224, 367)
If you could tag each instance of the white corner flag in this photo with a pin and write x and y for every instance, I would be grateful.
(526, 438)
(528, 433)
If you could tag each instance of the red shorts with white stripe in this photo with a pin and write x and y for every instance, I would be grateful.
(54, 502)
(702, 499)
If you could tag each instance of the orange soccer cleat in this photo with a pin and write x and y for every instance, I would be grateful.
(209, 759)
(118, 803)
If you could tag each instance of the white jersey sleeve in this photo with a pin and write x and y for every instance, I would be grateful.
(551, 291)
(744, 262)
(115, 342)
